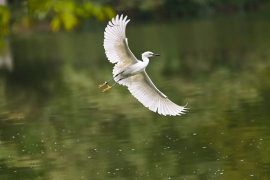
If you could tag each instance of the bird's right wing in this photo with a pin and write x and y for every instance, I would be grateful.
(147, 93)
(116, 44)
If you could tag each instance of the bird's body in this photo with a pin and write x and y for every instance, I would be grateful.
(130, 72)
(135, 68)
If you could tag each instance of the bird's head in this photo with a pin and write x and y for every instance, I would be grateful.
(149, 54)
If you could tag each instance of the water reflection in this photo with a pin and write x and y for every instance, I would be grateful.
(6, 61)
(55, 123)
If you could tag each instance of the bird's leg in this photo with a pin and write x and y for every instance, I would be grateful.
(118, 81)
(109, 80)
(109, 87)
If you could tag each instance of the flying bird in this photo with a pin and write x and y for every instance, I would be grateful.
(130, 72)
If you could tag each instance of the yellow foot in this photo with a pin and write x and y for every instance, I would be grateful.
(99, 86)
(106, 89)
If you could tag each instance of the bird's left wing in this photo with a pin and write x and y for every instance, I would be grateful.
(116, 44)
(147, 93)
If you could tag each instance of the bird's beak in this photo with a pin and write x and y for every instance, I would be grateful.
(156, 55)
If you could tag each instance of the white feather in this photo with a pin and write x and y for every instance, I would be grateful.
(140, 85)
(146, 92)
(116, 46)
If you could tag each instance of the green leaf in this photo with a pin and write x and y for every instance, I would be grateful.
(55, 24)
(69, 21)
(109, 11)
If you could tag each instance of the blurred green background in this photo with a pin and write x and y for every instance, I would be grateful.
(55, 123)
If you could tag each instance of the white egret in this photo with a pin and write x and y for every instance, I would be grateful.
(130, 72)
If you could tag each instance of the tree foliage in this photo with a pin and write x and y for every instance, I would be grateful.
(4, 23)
(65, 13)
(61, 13)
(4, 20)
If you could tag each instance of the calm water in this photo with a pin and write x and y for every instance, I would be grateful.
(55, 123)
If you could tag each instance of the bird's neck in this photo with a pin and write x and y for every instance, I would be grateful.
(145, 60)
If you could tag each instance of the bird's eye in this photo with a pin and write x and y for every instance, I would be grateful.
(149, 53)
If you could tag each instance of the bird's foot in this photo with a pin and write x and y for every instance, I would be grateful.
(99, 86)
(106, 89)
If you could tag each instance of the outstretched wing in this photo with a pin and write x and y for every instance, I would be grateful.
(116, 44)
(147, 93)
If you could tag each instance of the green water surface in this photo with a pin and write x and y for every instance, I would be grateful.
(56, 124)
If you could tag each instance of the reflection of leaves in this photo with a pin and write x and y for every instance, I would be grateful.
(10, 172)
(265, 86)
